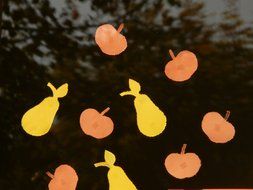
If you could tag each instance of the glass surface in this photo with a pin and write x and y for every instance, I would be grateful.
(53, 41)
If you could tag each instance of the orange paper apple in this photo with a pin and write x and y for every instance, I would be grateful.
(217, 128)
(181, 67)
(184, 165)
(64, 178)
(96, 124)
(110, 40)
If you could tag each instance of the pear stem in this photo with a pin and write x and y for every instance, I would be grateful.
(126, 93)
(101, 164)
(121, 26)
(183, 148)
(172, 55)
(227, 115)
(50, 175)
(106, 110)
(51, 87)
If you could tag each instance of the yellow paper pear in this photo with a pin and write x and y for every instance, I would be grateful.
(38, 120)
(151, 120)
(118, 179)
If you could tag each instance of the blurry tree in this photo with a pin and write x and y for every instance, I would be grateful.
(41, 42)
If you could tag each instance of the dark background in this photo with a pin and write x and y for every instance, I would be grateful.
(41, 44)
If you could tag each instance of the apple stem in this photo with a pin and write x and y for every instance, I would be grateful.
(106, 110)
(50, 175)
(121, 26)
(172, 55)
(227, 115)
(183, 148)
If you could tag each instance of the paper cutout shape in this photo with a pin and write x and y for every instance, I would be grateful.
(184, 165)
(118, 179)
(64, 178)
(181, 67)
(38, 120)
(151, 120)
(110, 41)
(96, 124)
(217, 128)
